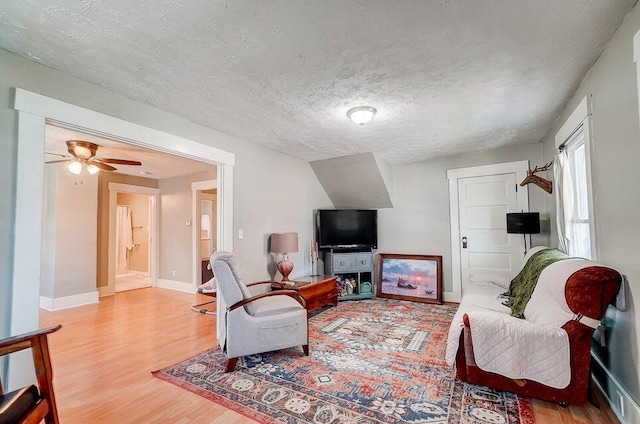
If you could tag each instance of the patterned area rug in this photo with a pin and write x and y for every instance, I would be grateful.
(371, 361)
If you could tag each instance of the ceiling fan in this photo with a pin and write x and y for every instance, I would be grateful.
(84, 152)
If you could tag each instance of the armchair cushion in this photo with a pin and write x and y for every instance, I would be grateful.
(230, 259)
(234, 265)
(15, 405)
(269, 306)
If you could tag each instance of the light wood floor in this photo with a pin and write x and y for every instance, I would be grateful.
(104, 354)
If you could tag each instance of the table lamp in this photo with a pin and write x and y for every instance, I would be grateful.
(523, 223)
(284, 243)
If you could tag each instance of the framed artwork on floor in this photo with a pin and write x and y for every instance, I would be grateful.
(410, 277)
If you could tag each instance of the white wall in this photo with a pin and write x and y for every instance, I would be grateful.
(420, 224)
(176, 237)
(615, 157)
(282, 199)
(69, 234)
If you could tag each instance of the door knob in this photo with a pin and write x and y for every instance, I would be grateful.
(464, 242)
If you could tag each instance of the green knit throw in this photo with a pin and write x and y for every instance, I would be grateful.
(522, 286)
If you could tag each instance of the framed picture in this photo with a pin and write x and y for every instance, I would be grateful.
(410, 277)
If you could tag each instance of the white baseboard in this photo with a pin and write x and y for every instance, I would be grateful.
(450, 297)
(57, 303)
(622, 404)
(177, 285)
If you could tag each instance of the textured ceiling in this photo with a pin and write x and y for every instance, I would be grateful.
(446, 76)
(155, 165)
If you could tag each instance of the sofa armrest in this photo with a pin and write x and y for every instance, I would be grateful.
(518, 349)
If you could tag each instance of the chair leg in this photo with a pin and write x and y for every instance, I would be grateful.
(305, 349)
(231, 364)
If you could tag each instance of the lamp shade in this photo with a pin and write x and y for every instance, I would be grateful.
(284, 242)
(523, 223)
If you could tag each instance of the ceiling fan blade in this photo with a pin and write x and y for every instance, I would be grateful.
(120, 161)
(58, 154)
(59, 161)
(103, 166)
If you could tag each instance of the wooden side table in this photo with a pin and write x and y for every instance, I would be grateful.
(318, 290)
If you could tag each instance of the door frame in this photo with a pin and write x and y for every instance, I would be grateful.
(154, 246)
(196, 188)
(520, 168)
(33, 112)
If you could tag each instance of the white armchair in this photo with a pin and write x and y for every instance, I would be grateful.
(253, 320)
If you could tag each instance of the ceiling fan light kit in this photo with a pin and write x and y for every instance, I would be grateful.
(83, 153)
(361, 114)
(82, 149)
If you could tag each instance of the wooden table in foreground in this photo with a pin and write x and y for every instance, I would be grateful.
(317, 290)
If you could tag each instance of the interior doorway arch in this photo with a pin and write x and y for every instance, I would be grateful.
(33, 112)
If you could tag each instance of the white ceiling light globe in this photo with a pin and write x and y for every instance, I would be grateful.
(362, 114)
(92, 169)
(75, 167)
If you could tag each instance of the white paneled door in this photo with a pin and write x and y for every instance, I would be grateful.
(488, 253)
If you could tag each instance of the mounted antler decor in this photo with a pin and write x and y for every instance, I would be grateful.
(543, 183)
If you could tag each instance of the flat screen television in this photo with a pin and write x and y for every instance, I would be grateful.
(347, 229)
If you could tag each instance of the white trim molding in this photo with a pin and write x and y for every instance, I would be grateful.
(581, 118)
(573, 122)
(177, 285)
(520, 168)
(195, 220)
(636, 59)
(58, 112)
(66, 302)
(620, 401)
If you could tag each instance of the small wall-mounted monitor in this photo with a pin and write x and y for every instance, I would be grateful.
(523, 223)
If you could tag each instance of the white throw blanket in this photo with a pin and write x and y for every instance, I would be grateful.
(536, 348)
(478, 297)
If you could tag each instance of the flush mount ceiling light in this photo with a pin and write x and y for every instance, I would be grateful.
(361, 114)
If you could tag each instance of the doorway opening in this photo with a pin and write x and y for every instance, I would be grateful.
(34, 111)
(206, 228)
(134, 220)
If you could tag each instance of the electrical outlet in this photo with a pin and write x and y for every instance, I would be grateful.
(173, 273)
(240, 234)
